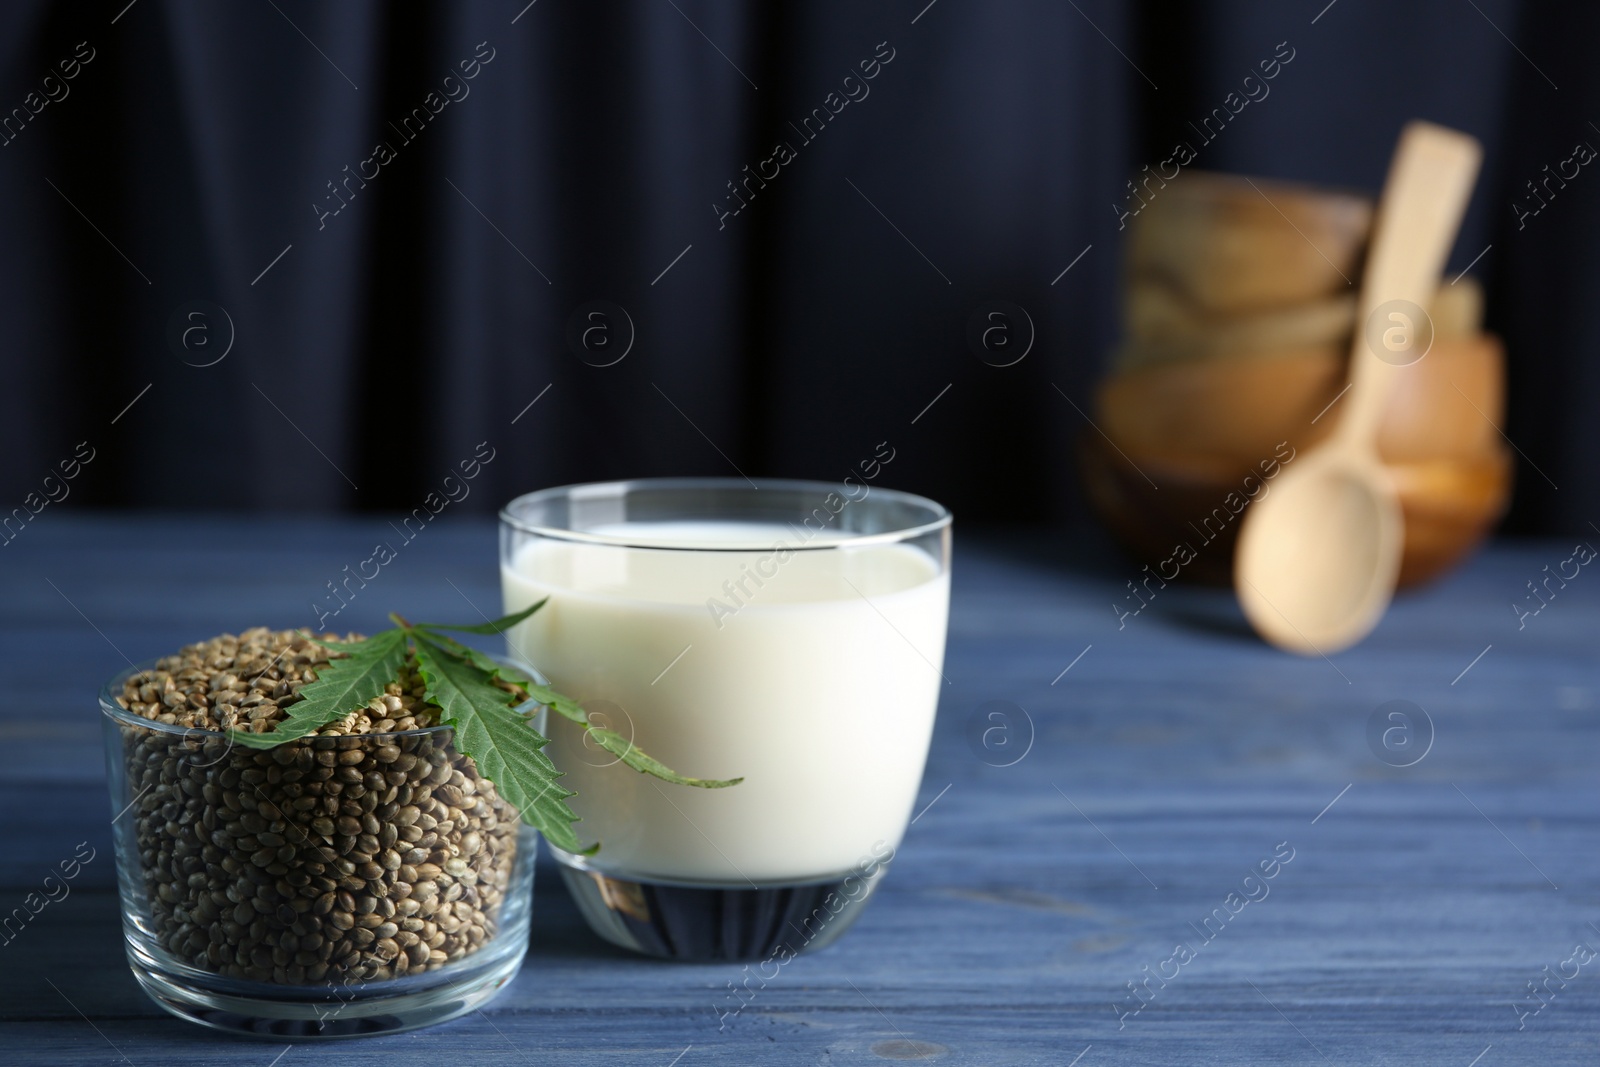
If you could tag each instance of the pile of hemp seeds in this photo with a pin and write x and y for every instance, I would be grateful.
(338, 857)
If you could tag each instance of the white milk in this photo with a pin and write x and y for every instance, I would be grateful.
(819, 689)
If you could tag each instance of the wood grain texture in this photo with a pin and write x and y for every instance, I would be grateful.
(1177, 751)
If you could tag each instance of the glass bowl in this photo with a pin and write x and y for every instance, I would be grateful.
(326, 887)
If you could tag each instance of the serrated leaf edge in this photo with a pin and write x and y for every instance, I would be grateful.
(430, 657)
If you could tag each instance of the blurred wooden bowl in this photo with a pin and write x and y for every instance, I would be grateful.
(1450, 506)
(1150, 518)
(1446, 405)
(1232, 244)
(1449, 404)
(1161, 325)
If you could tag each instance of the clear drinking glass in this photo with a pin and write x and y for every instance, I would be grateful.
(788, 632)
(326, 887)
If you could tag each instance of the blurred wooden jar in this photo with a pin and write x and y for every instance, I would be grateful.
(1240, 305)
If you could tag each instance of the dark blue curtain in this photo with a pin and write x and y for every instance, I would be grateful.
(412, 222)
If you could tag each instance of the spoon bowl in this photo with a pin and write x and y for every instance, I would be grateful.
(1319, 558)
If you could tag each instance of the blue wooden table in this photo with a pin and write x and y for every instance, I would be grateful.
(1096, 797)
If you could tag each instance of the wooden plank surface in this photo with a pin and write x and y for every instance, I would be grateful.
(1174, 755)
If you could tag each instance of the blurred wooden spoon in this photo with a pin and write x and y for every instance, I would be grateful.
(1316, 562)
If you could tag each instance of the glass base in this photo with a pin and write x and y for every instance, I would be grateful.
(717, 923)
(330, 1011)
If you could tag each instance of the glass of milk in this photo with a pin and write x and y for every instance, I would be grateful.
(787, 632)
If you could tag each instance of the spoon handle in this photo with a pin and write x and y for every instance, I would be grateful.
(1430, 180)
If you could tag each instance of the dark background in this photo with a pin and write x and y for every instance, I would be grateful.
(391, 338)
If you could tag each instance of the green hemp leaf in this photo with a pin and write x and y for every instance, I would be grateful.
(342, 686)
(503, 743)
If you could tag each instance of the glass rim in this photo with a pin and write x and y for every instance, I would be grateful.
(112, 710)
(942, 516)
